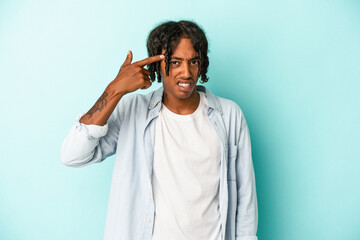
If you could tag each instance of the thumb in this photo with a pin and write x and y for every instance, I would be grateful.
(128, 60)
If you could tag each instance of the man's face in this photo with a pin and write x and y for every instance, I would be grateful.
(183, 72)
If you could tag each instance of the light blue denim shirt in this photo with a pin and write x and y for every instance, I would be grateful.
(130, 134)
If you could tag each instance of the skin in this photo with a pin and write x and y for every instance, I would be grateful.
(184, 70)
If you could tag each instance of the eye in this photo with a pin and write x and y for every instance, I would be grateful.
(174, 62)
(195, 62)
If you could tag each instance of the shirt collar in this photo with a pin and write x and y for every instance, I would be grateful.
(213, 102)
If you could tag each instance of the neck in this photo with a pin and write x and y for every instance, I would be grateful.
(182, 106)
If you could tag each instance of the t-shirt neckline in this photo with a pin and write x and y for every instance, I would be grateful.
(190, 116)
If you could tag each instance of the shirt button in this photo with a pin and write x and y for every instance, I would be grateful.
(148, 220)
(150, 115)
(149, 194)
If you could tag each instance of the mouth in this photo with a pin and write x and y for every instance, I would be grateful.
(185, 86)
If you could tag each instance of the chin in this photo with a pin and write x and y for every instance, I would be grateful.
(186, 95)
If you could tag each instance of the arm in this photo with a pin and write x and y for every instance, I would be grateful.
(94, 135)
(247, 212)
(130, 78)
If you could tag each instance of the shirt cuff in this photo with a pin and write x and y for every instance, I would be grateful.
(92, 131)
(246, 238)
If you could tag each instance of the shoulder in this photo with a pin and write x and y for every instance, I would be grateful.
(225, 105)
(231, 112)
(228, 105)
(136, 97)
(136, 100)
(132, 106)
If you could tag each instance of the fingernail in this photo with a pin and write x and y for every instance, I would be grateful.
(128, 53)
(162, 56)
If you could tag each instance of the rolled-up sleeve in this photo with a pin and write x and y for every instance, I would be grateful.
(87, 144)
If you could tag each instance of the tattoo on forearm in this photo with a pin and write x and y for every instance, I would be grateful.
(99, 105)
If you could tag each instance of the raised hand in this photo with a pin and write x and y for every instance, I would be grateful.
(133, 76)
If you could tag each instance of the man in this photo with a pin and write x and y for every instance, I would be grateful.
(183, 167)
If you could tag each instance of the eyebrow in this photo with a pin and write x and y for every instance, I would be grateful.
(177, 58)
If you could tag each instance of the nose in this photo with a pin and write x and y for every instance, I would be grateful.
(186, 70)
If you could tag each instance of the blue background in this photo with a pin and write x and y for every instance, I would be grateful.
(292, 66)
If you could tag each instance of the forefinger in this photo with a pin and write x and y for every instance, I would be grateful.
(149, 60)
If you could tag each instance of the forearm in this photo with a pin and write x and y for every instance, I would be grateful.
(102, 109)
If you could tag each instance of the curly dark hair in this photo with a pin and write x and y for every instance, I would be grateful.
(167, 36)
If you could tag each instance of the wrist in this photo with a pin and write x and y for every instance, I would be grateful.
(115, 92)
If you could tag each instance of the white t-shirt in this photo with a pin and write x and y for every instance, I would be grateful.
(186, 174)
